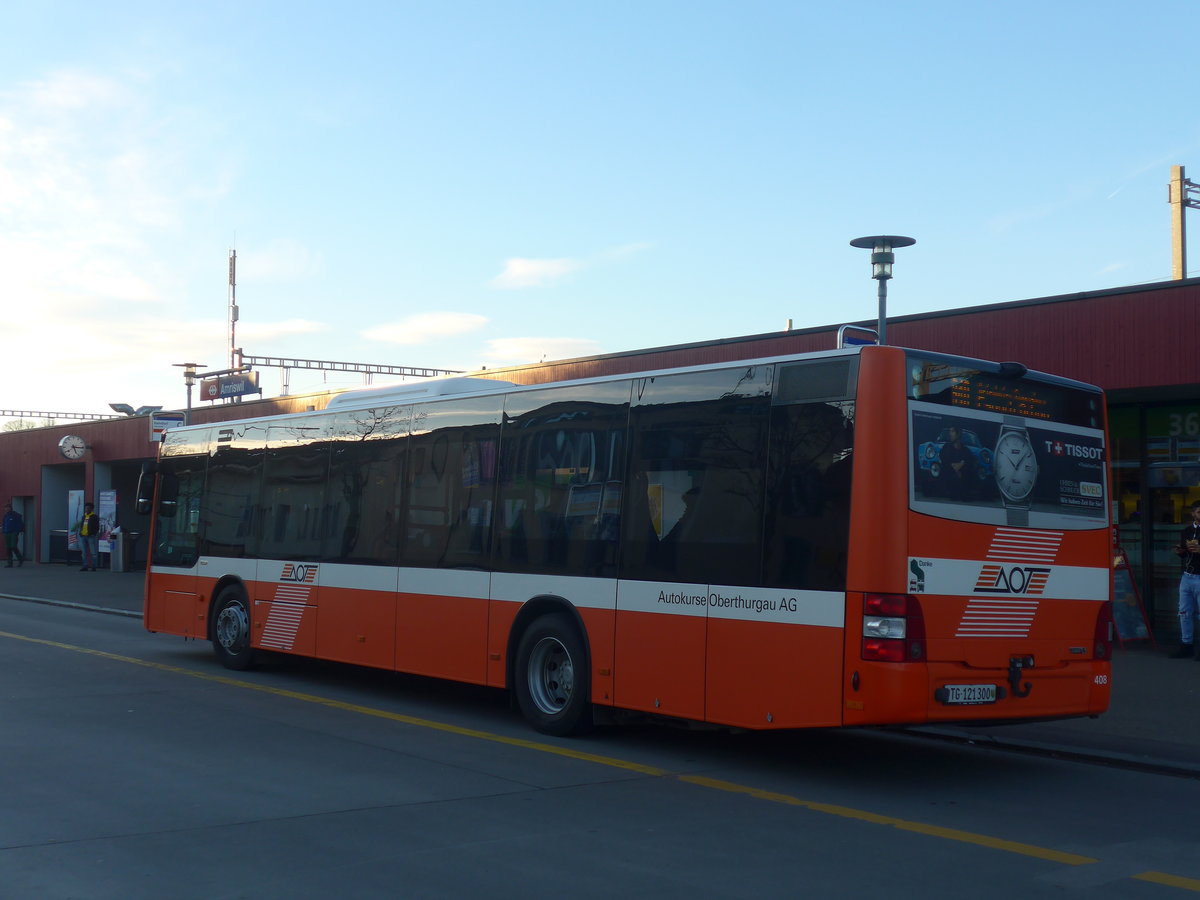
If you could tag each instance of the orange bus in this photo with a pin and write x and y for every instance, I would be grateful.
(862, 536)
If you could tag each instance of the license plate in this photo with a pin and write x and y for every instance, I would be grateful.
(969, 694)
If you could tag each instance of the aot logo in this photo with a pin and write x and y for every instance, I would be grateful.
(1028, 580)
(299, 574)
(1075, 451)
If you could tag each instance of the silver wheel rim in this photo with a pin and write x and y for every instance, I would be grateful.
(233, 628)
(551, 676)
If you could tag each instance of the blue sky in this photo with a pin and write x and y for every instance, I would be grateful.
(457, 185)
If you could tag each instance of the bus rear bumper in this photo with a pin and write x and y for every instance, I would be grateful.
(904, 693)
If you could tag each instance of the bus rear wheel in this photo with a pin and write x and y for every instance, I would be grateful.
(231, 629)
(552, 679)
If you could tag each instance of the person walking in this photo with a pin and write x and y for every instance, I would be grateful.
(89, 532)
(1188, 551)
(12, 526)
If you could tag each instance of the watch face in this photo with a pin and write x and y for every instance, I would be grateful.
(1015, 465)
(72, 446)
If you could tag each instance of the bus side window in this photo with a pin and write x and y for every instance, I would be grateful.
(449, 492)
(168, 494)
(144, 497)
(808, 496)
(175, 534)
(426, 502)
(515, 501)
(471, 499)
(561, 480)
(366, 467)
(231, 523)
(295, 477)
(697, 471)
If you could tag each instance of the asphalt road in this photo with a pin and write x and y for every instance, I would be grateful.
(134, 766)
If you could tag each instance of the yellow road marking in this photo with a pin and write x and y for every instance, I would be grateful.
(355, 708)
(952, 834)
(1188, 884)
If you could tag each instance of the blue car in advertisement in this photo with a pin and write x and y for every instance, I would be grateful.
(929, 455)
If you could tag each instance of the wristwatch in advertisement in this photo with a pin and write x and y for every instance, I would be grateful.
(1015, 465)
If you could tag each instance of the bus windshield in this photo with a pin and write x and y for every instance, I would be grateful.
(1004, 447)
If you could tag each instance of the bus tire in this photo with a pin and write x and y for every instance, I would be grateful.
(552, 679)
(231, 629)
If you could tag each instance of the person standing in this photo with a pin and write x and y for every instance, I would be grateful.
(12, 526)
(89, 532)
(1188, 551)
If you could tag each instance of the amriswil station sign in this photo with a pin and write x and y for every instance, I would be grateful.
(229, 386)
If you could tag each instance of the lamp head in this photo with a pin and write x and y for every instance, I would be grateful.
(881, 247)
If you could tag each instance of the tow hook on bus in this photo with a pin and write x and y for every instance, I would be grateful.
(1015, 665)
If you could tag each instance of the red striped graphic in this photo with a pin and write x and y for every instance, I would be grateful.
(1025, 545)
(997, 618)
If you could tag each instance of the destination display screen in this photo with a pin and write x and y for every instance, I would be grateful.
(953, 384)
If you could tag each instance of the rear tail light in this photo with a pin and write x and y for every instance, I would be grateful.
(1102, 641)
(893, 628)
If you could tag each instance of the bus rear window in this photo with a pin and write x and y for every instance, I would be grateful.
(996, 445)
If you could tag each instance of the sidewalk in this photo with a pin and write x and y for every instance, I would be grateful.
(63, 585)
(1153, 721)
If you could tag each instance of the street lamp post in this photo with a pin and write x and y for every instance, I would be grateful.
(128, 410)
(882, 257)
(189, 378)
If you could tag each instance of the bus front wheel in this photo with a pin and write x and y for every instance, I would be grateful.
(231, 629)
(552, 679)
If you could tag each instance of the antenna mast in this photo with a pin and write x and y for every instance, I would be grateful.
(233, 309)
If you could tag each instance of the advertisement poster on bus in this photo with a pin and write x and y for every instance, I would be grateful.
(975, 466)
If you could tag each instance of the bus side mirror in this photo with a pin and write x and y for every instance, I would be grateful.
(168, 495)
(145, 489)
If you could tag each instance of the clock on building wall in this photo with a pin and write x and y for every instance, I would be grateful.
(72, 446)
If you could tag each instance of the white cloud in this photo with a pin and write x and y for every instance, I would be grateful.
(96, 180)
(520, 272)
(66, 151)
(518, 351)
(84, 188)
(523, 273)
(425, 327)
(133, 362)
